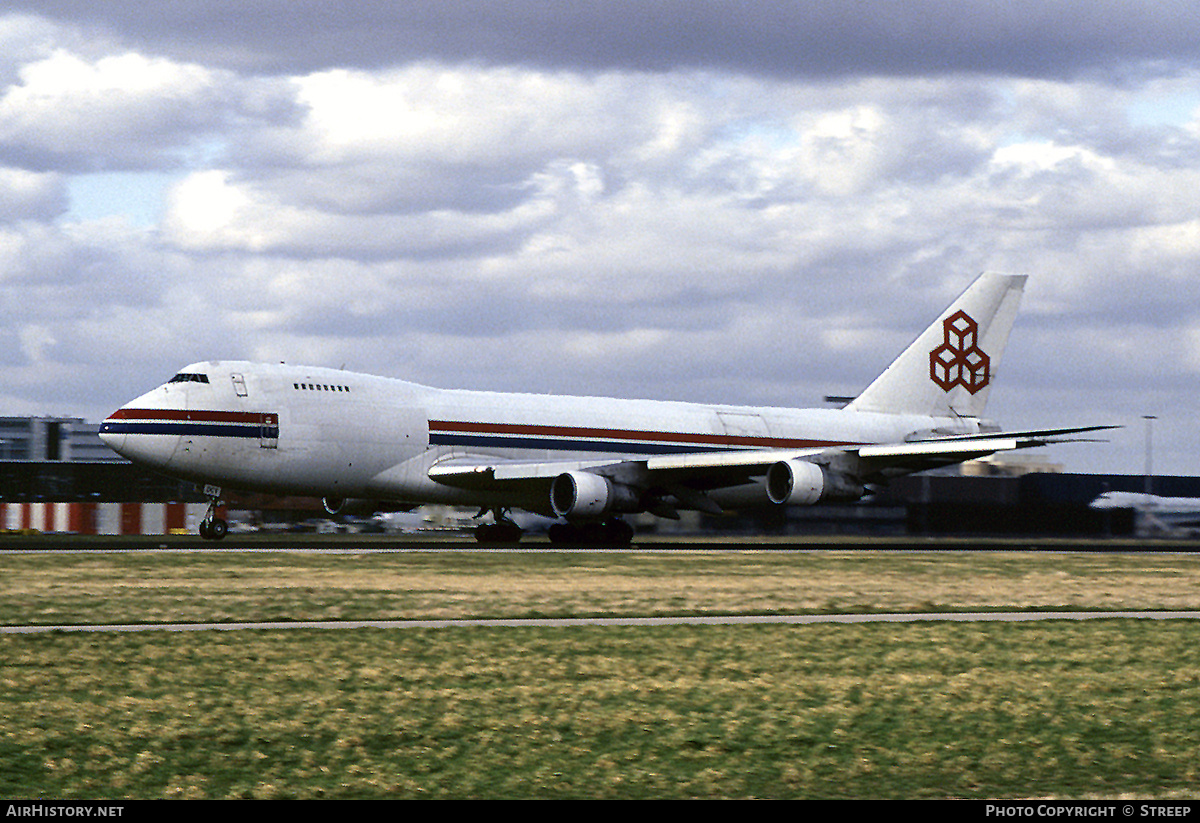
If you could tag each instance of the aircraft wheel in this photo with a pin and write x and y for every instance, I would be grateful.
(214, 529)
(498, 533)
(617, 533)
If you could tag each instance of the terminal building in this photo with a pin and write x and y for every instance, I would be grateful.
(56, 475)
(51, 439)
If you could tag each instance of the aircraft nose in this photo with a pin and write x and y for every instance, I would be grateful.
(141, 434)
(112, 434)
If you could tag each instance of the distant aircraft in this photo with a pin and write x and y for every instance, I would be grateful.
(1156, 513)
(583, 460)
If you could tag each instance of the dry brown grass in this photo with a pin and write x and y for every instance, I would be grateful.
(236, 586)
(1099, 708)
(1102, 708)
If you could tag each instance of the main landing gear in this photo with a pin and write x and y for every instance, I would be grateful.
(492, 533)
(213, 527)
(504, 530)
(611, 532)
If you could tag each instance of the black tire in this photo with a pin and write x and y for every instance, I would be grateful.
(498, 533)
(617, 533)
(214, 529)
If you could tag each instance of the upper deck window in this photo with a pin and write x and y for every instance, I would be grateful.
(319, 387)
(185, 377)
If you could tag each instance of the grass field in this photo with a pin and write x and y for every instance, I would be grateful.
(1103, 708)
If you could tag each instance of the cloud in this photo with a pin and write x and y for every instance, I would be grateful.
(26, 194)
(121, 112)
(773, 38)
(66, 111)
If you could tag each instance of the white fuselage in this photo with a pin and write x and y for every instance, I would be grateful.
(337, 434)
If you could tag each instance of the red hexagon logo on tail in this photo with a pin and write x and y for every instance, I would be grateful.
(959, 361)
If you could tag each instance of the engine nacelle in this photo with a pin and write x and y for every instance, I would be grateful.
(801, 483)
(584, 495)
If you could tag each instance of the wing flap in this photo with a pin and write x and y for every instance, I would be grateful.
(937, 448)
(1027, 438)
(740, 459)
(492, 472)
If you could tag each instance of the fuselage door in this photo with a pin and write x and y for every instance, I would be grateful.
(268, 437)
(268, 422)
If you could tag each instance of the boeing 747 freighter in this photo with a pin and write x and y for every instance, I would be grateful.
(585, 461)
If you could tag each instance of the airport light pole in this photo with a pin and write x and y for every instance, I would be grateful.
(1149, 418)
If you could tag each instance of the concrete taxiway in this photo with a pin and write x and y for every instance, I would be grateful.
(799, 619)
(457, 541)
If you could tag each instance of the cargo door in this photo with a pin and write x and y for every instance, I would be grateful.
(746, 430)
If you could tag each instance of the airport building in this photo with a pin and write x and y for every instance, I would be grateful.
(56, 475)
(101, 518)
(51, 439)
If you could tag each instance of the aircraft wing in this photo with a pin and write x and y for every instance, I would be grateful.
(685, 475)
(885, 460)
(875, 461)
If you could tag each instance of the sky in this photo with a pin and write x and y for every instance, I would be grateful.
(732, 202)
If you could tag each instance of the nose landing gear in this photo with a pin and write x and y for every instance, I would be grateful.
(213, 527)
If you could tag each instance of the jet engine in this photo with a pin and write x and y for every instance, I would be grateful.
(801, 483)
(584, 495)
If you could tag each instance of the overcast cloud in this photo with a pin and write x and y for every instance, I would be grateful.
(714, 201)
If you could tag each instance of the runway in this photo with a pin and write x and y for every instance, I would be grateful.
(456, 541)
(569, 622)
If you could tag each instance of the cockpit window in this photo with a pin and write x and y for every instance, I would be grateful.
(185, 377)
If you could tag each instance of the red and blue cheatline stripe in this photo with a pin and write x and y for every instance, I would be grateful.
(583, 438)
(196, 423)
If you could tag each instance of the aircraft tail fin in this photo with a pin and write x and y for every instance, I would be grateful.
(947, 371)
